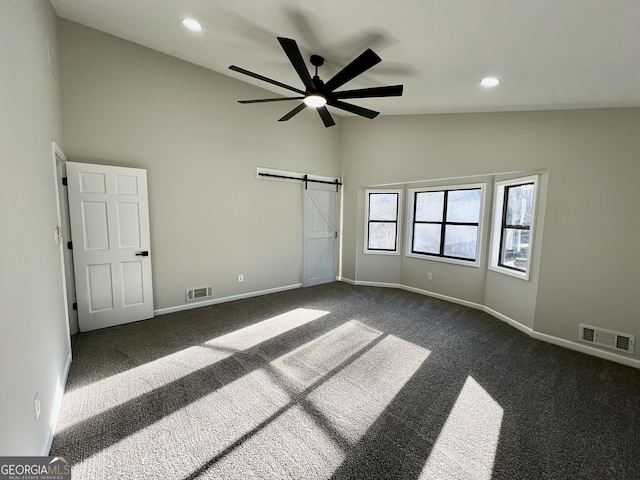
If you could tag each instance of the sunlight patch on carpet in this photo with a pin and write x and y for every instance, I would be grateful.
(466, 446)
(196, 433)
(253, 335)
(298, 415)
(307, 364)
(291, 446)
(354, 398)
(98, 397)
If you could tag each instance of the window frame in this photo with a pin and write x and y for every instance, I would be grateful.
(398, 221)
(441, 257)
(499, 225)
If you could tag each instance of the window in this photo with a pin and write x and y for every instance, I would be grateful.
(445, 223)
(382, 218)
(512, 230)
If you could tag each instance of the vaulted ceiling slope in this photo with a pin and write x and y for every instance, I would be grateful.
(549, 54)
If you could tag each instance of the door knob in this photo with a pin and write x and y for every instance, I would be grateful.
(142, 254)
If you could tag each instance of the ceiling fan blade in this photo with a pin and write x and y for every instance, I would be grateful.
(363, 112)
(264, 100)
(265, 79)
(361, 64)
(293, 112)
(390, 91)
(290, 47)
(326, 117)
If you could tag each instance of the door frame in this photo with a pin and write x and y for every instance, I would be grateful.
(60, 158)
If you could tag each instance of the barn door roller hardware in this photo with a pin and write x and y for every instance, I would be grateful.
(304, 179)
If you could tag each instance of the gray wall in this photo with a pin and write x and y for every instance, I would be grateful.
(123, 104)
(585, 266)
(34, 345)
(211, 219)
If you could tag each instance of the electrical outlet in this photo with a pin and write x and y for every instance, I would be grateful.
(429, 276)
(241, 278)
(36, 404)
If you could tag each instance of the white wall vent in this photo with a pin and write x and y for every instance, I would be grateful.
(622, 342)
(198, 293)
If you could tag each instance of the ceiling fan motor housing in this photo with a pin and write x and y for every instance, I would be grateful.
(317, 60)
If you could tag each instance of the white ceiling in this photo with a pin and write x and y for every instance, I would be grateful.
(550, 54)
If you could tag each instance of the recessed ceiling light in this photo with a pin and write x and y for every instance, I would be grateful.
(192, 24)
(490, 82)
(315, 101)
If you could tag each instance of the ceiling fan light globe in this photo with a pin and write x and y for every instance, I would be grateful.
(489, 82)
(315, 101)
(192, 24)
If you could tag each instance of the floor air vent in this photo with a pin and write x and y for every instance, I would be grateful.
(606, 338)
(198, 293)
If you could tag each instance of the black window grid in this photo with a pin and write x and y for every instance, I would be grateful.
(395, 222)
(505, 226)
(443, 224)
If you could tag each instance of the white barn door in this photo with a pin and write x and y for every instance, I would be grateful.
(320, 234)
(109, 213)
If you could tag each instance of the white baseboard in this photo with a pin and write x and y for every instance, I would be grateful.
(377, 284)
(56, 408)
(589, 350)
(561, 342)
(415, 290)
(447, 298)
(346, 280)
(509, 320)
(231, 298)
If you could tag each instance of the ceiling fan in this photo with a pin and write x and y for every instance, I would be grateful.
(319, 94)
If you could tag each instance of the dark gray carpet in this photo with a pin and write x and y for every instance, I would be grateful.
(336, 382)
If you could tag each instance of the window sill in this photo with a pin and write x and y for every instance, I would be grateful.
(511, 273)
(380, 252)
(475, 263)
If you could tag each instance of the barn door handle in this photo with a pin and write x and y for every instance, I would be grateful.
(142, 254)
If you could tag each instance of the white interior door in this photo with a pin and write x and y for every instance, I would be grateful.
(109, 212)
(320, 234)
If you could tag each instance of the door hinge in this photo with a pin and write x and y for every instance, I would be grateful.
(70, 245)
(336, 235)
(75, 305)
(64, 180)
